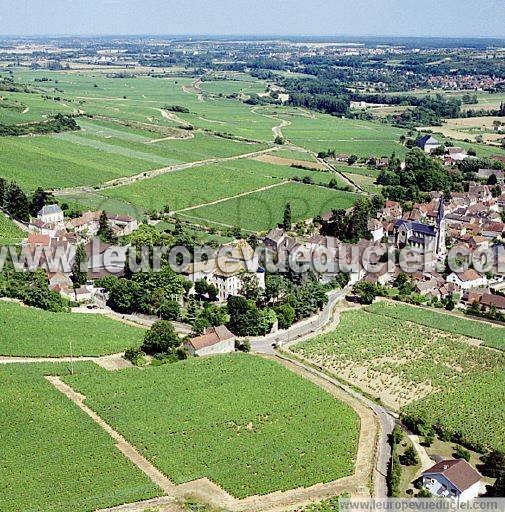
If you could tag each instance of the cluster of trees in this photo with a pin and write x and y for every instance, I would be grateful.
(32, 288)
(421, 175)
(176, 108)
(18, 204)
(148, 292)
(350, 227)
(427, 111)
(287, 298)
(334, 184)
(494, 467)
(59, 123)
(321, 102)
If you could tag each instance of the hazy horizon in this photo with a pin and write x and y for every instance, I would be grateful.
(284, 18)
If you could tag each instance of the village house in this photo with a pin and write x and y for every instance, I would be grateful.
(392, 210)
(428, 143)
(455, 479)
(51, 214)
(456, 154)
(274, 239)
(225, 269)
(468, 279)
(486, 301)
(485, 174)
(376, 229)
(493, 230)
(216, 340)
(88, 224)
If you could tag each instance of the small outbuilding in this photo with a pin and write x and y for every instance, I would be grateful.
(216, 340)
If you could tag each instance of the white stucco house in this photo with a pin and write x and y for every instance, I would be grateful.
(224, 269)
(51, 214)
(454, 479)
(216, 340)
(468, 279)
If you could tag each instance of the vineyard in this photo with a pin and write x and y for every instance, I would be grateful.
(9, 233)
(54, 457)
(246, 423)
(33, 332)
(419, 369)
(491, 335)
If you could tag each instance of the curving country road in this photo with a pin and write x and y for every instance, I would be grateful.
(328, 319)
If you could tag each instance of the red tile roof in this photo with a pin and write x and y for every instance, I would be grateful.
(37, 239)
(213, 336)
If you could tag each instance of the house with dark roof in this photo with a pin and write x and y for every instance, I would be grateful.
(216, 340)
(428, 143)
(455, 479)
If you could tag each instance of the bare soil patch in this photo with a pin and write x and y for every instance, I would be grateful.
(277, 160)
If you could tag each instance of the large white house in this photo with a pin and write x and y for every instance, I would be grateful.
(455, 479)
(468, 279)
(225, 269)
(51, 214)
(428, 143)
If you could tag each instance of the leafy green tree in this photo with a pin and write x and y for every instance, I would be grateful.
(285, 316)
(3, 191)
(409, 458)
(287, 218)
(215, 315)
(105, 232)
(161, 339)
(494, 464)
(79, 268)
(461, 453)
(250, 286)
(253, 241)
(367, 292)
(40, 199)
(16, 203)
(245, 317)
(267, 318)
(170, 310)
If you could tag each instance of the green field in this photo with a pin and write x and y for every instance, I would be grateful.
(94, 156)
(361, 138)
(491, 335)
(364, 182)
(184, 189)
(418, 369)
(263, 210)
(54, 457)
(10, 234)
(33, 332)
(247, 423)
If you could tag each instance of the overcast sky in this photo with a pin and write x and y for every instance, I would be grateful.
(480, 18)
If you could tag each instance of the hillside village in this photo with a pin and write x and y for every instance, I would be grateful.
(247, 275)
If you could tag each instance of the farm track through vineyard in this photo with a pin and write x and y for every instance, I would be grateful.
(358, 484)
